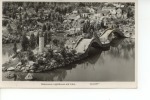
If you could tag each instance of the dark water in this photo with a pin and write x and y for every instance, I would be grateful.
(116, 63)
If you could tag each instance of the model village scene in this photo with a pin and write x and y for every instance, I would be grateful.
(50, 41)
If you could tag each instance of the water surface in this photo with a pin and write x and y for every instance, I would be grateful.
(117, 63)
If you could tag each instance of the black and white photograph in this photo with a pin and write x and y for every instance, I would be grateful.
(68, 41)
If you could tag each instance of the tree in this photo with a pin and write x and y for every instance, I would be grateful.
(64, 53)
(84, 28)
(81, 4)
(44, 27)
(15, 48)
(25, 15)
(48, 37)
(32, 41)
(4, 10)
(36, 9)
(130, 12)
(9, 28)
(4, 22)
(45, 38)
(24, 43)
(37, 38)
(14, 15)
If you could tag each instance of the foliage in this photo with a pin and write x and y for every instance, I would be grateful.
(32, 41)
(31, 56)
(63, 53)
(56, 42)
(4, 22)
(120, 21)
(15, 48)
(37, 38)
(44, 27)
(45, 38)
(49, 37)
(24, 43)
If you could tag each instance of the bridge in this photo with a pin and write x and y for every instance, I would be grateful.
(83, 45)
(116, 32)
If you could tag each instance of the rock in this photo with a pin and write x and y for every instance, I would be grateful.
(46, 68)
(31, 63)
(14, 59)
(25, 71)
(19, 64)
(40, 54)
(32, 71)
(37, 71)
(22, 68)
(18, 68)
(54, 61)
(11, 69)
(18, 50)
(32, 67)
(55, 65)
(27, 68)
(10, 75)
(35, 51)
(63, 64)
(41, 68)
(44, 59)
(55, 51)
(60, 65)
(44, 54)
(29, 76)
(52, 64)
(36, 64)
(49, 67)
(40, 61)
(18, 77)
(133, 36)
(27, 65)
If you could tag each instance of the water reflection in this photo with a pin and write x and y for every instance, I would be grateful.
(123, 48)
(115, 64)
(8, 51)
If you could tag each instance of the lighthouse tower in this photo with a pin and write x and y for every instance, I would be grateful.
(41, 42)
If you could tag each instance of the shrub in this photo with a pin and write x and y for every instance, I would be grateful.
(31, 56)
(56, 41)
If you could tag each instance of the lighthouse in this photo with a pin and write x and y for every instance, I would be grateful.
(41, 42)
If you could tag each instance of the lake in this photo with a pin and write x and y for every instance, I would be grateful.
(116, 63)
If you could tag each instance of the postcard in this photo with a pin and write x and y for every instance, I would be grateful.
(68, 44)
